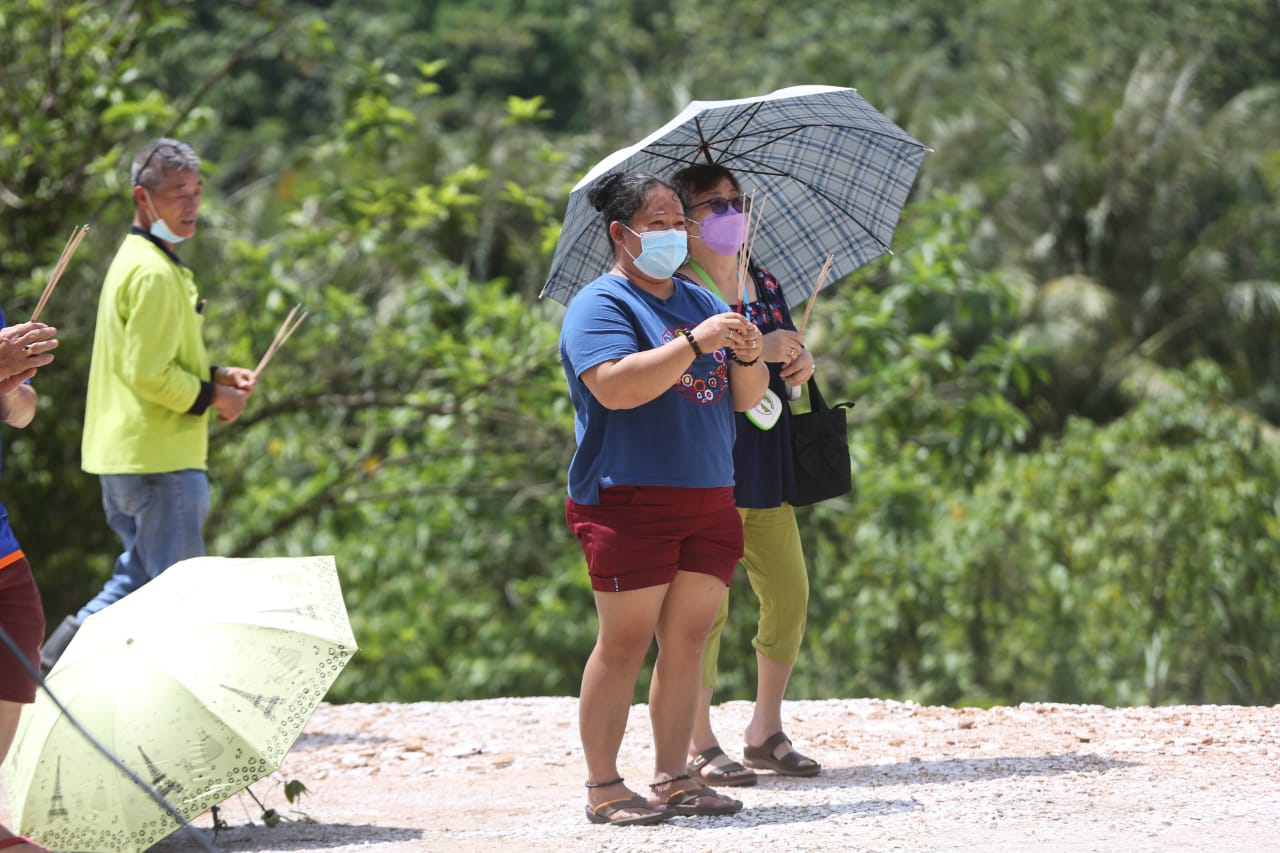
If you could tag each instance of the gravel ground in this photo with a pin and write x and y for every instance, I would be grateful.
(506, 775)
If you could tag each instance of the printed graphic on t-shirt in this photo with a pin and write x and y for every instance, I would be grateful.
(707, 379)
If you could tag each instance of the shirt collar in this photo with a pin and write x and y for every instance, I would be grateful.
(142, 232)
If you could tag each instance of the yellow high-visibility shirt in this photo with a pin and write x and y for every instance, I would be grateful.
(148, 369)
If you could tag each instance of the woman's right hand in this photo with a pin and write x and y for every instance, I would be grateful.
(729, 329)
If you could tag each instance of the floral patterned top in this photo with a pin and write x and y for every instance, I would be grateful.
(763, 473)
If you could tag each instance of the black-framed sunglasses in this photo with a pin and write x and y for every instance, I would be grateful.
(740, 203)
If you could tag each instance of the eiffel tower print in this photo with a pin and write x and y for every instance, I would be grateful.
(286, 658)
(57, 808)
(308, 610)
(266, 705)
(162, 783)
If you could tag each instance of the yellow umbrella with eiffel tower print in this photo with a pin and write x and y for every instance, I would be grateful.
(198, 683)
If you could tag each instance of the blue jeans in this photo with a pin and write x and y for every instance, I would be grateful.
(160, 520)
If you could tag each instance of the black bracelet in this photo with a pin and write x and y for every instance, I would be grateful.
(688, 336)
(742, 363)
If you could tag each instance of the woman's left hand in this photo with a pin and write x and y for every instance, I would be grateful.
(799, 369)
(747, 344)
(782, 345)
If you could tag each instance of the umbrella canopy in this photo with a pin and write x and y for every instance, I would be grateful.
(199, 682)
(831, 170)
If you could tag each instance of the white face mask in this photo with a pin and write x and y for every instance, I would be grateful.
(661, 252)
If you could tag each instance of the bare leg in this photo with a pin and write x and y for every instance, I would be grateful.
(766, 716)
(704, 737)
(9, 713)
(627, 622)
(771, 683)
(721, 768)
(675, 694)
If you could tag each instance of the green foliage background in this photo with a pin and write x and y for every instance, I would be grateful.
(1066, 380)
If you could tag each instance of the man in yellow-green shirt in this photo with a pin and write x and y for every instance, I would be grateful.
(151, 387)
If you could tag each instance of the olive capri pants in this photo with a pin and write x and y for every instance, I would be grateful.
(776, 571)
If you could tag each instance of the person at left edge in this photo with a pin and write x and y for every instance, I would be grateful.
(151, 386)
(24, 348)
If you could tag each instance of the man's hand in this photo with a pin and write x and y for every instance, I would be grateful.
(231, 389)
(229, 401)
(236, 377)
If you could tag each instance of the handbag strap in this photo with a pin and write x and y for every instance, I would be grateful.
(816, 402)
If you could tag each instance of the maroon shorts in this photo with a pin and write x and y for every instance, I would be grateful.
(640, 536)
(22, 617)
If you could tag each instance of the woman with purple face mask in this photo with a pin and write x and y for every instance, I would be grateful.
(717, 214)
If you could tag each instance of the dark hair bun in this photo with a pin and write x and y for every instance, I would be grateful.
(601, 192)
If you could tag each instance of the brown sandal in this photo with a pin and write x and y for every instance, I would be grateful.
(604, 813)
(731, 775)
(685, 800)
(791, 763)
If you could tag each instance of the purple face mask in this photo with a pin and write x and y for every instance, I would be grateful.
(724, 233)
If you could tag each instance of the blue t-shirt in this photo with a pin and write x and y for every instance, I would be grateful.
(682, 438)
(8, 542)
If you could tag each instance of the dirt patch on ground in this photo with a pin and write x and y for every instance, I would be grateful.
(506, 775)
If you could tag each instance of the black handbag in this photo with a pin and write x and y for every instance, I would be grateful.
(820, 450)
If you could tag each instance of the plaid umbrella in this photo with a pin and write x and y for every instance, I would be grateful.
(832, 172)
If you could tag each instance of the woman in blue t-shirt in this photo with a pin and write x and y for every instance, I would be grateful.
(656, 368)
(773, 559)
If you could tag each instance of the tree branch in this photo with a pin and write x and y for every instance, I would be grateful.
(198, 95)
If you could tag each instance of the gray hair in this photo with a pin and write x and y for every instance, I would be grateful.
(160, 157)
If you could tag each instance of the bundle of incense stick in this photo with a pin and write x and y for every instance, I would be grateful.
(286, 329)
(755, 215)
(822, 279)
(73, 242)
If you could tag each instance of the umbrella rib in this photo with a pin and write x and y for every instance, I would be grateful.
(742, 120)
(674, 159)
(703, 145)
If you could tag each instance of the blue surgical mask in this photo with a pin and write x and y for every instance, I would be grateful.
(160, 228)
(661, 252)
